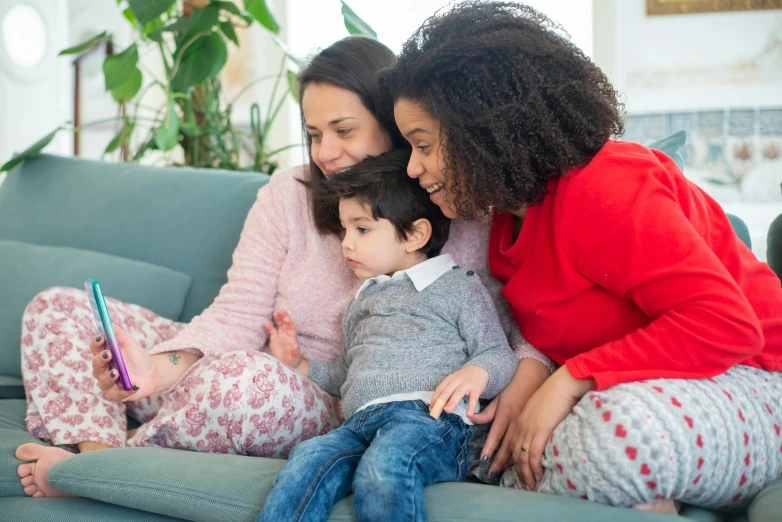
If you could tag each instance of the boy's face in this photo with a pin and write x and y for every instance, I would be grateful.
(370, 246)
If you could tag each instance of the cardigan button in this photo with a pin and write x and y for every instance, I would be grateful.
(470, 273)
(454, 267)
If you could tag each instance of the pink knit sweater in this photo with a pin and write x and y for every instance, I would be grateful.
(281, 261)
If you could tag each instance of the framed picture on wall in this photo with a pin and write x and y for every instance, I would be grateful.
(669, 7)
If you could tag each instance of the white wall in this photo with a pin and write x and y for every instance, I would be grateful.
(689, 62)
(34, 102)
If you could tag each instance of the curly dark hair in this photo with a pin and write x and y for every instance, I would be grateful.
(518, 103)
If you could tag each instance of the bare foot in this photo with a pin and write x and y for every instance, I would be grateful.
(33, 474)
(669, 507)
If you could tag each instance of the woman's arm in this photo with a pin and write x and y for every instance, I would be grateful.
(626, 230)
(236, 319)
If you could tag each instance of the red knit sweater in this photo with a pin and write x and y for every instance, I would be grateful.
(627, 271)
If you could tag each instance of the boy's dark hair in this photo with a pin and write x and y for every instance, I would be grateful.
(381, 182)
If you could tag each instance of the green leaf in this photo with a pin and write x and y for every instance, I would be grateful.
(33, 150)
(147, 10)
(261, 12)
(354, 24)
(227, 6)
(167, 135)
(179, 26)
(128, 14)
(293, 85)
(87, 44)
(128, 90)
(120, 68)
(201, 20)
(202, 60)
(149, 145)
(228, 30)
(122, 137)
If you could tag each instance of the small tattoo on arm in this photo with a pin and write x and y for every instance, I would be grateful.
(174, 358)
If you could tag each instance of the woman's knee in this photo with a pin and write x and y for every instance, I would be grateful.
(55, 299)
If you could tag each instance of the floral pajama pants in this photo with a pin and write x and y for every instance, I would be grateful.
(713, 443)
(240, 402)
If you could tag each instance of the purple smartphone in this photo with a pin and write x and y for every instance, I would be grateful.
(103, 323)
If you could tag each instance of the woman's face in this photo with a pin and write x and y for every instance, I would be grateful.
(422, 130)
(342, 130)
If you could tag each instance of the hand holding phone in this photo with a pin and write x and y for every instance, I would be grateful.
(100, 312)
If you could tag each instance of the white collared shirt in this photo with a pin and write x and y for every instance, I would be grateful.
(422, 275)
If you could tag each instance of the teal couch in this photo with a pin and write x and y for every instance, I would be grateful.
(163, 238)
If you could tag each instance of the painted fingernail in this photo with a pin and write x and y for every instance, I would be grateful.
(494, 474)
(134, 388)
(484, 460)
(105, 355)
(111, 374)
(99, 339)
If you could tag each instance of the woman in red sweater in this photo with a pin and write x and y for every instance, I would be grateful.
(667, 330)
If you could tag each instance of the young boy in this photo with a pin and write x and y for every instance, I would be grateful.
(420, 331)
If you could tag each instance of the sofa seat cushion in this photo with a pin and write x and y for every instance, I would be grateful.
(207, 487)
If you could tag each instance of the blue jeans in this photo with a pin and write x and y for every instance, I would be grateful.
(385, 454)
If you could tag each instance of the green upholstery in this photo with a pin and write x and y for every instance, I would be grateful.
(159, 289)
(184, 219)
(189, 221)
(72, 510)
(774, 251)
(671, 146)
(172, 482)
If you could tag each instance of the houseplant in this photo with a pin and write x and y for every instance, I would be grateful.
(191, 39)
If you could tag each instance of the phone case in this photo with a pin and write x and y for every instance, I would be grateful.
(100, 312)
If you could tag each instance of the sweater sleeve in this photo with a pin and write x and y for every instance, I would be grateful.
(625, 230)
(487, 345)
(234, 321)
(330, 375)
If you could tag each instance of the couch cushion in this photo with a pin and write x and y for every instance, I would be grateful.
(12, 434)
(185, 219)
(26, 269)
(11, 387)
(231, 487)
(671, 145)
(73, 509)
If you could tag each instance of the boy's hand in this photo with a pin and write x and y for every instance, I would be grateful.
(470, 381)
(283, 344)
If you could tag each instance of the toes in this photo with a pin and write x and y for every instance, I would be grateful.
(38, 494)
(30, 451)
(24, 470)
(29, 480)
(31, 490)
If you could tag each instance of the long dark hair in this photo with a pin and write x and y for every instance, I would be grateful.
(518, 103)
(354, 64)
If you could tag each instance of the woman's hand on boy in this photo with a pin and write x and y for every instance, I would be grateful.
(542, 414)
(505, 411)
(470, 381)
(283, 343)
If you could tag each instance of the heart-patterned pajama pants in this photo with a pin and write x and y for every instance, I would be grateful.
(712, 443)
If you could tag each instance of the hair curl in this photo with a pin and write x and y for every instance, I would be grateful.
(518, 103)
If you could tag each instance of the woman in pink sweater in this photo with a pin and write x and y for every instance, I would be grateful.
(211, 385)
